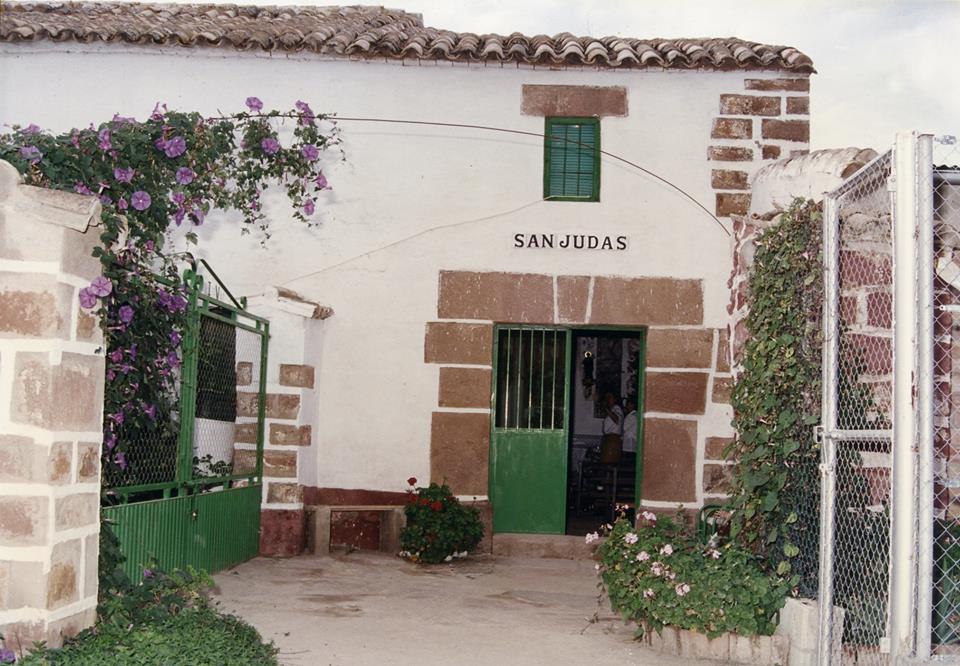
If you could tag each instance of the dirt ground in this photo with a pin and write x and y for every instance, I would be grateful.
(363, 608)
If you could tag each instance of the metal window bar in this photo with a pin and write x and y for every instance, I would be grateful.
(527, 378)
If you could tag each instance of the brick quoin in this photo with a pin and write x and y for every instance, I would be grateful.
(732, 204)
(771, 152)
(793, 85)
(798, 105)
(786, 130)
(732, 128)
(729, 154)
(749, 105)
(723, 179)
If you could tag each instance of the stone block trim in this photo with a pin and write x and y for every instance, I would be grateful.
(68, 396)
(714, 446)
(63, 581)
(722, 388)
(723, 351)
(798, 105)
(465, 387)
(679, 348)
(32, 306)
(732, 128)
(669, 460)
(786, 130)
(793, 85)
(284, 493)
(771, 152)
(573, 293)
(276, 464)
(729, 154)
(515, 297)
(717, 479)
(732, 204)
(647, 301)
(245, 433)
(449, 342)
(282, 434)
(676, 392)
(459, 450)
(749, 105)
(296, 375)
(279, 405)
(23, 520)
(725, 179)
(76, 510)
(553, 100)
(244, 373)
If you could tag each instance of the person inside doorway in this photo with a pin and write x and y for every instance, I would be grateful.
(612, 440)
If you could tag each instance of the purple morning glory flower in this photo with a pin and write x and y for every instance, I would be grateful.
(306, 113)
(31, 129)
(321, 182)
(104, 136)
(126, 314)
(116, 356)
(123, 175)
(87, 298)
(140, 200)
(308, 207)
(122, 203)
(81, 188)
(151, 411)
(111, 440)
(117, 118)
(101, 286)
(270, 146)
(175, 338)
(31, 153)
(254, 103)
(7, 656)
(148, 573)
(178, 198)
(105, 200)
(157, 114)
(197, 215)
(179, 215)
(310, 152)
(175, 147)
(121, 460)
(173, 360)
(185, 175)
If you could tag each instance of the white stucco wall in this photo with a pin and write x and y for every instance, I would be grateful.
(409, 201)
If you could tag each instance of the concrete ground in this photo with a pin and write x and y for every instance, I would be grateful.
(367, 608)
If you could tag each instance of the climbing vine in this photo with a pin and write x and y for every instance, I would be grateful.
(776, 398)
(150, 175)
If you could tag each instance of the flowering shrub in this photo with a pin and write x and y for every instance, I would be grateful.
(439, 528)
(168, 170)
(657, 575)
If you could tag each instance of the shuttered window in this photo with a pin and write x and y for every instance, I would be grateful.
(572, 159)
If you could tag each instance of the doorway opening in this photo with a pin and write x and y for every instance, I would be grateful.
(605, 455)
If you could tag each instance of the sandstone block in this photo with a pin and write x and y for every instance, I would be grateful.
(244, 373)
(749, 105)
(717, 479)
(793, 85)
(732, 128)
(729, 154)
(280, 464)
(296, 375)
(34, 306)
(21, 460)
(669, 460)
(676, 392)
(723, 351)
(23, 520)
(59, 463)
(448, 342)
(63, 584)
(732, 204)
(282, 434)
(465, 387)
(722, 389)
(798, 105)
(725, 179)
(284, 493)
(512, 297)
(572, 296)
(279, 405)
(647, 301)
(554, 100)
(679, 348)
(91, 555)
(68, 396)
(771, 152)
(786, 130)
(76, 510)
(459, 447)
(88, 462)
(245, 433)
(715, 446)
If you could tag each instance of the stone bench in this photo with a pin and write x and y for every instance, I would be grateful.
(392, 520)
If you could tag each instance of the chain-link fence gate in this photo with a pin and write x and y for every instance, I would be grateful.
(890, 502)
(190, 492)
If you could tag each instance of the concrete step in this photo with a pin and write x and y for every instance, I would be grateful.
(556, 546)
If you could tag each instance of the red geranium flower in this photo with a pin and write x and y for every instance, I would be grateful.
(412, 481)
(437, 506)
(424, 501)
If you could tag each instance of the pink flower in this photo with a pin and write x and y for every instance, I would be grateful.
(667, 550)
(308, 207)
(310, 152)
(656, 568)
(104, 137)
(630, 538)
(321, 182)
(87, 299)
(123, 175)
(270, 146)
(306, 113)
(647, 515)
(81, 188)
(590, 538)
(254, 103)
(714, 553)
(140, 200)
(643, 556)
(648, 593)
(101, 286)
(682, 589)
(122, 203)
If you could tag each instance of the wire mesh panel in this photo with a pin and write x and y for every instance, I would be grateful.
(938, 423)
(858, 384)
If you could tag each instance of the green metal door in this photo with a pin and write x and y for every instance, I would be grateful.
(528, 444)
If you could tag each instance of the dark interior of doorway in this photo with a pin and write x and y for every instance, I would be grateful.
(605, 366)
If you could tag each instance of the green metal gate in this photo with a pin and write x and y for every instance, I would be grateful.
(528, 448)
(191, 497)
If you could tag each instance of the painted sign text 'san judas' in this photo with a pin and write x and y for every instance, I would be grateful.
(570, 241)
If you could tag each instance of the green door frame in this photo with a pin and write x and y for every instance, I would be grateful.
(639, 332)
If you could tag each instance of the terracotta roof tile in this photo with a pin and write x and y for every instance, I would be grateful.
(368, 32)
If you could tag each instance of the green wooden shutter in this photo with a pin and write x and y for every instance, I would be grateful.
(572, 159)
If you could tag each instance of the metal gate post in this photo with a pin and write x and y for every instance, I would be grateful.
(902, 560)
(828, 410)
(188, 379)
(923, 176)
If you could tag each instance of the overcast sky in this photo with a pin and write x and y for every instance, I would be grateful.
(882, 65)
